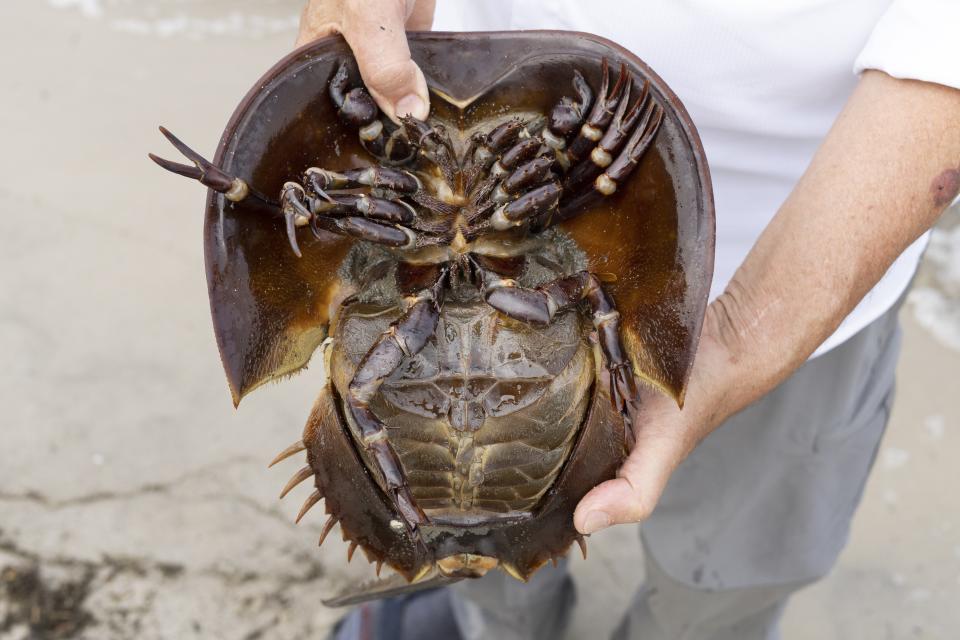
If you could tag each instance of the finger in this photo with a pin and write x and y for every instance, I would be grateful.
(379, 43)
(631, 496)
(421, 15)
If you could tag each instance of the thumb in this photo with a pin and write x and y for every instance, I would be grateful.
(633, 494)
(379, 43)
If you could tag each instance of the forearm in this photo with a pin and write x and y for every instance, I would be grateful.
(885, 172)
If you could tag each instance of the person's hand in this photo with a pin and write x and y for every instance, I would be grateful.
(665, 435)
(375, 31)
(882, 176)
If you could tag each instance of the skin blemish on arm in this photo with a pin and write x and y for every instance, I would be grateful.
(945, 187)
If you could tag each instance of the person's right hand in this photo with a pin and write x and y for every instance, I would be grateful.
(376, 31)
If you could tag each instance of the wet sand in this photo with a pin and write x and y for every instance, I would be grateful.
(134, 500)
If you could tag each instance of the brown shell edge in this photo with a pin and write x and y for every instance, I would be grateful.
(257, 347)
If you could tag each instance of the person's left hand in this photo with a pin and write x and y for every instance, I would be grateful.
(665, 435)
(881, 177)
(662, 442)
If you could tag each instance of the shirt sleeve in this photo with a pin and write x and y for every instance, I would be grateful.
(917, 40)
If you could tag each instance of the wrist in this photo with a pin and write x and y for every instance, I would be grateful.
(723, 379)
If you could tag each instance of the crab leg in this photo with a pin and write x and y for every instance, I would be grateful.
(398, 180)
(540, 306)
(483, 148)
(600, 116)
(383, 209)
(297, 213)
(618, 171)
(627, 161)
(512, 208)
(363, 229)
(532, 205)
(568, 114)
(513, 157)
(524, 177)
(209, 175)
(434, 145)
(380, 209)
(357, 107)
(405, 337)
(612, 142)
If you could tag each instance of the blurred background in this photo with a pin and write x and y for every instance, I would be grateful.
(135, 502)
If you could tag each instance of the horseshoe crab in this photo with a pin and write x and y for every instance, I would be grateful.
(487, 287)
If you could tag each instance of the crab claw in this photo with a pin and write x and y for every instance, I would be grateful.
(315, 229)
(315, 179)
(295, 213)
(202, 170)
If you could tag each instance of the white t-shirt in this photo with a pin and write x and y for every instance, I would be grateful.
(763, 81)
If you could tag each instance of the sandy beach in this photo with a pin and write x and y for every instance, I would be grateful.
(135, 501)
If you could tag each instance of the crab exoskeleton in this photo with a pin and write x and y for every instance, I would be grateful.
(493, 281)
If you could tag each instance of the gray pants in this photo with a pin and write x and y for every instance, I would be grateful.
(761, 508)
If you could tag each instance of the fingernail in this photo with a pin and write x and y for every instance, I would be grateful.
(411, 105)
(595, 521)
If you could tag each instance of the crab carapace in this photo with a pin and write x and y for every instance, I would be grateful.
(495, 287)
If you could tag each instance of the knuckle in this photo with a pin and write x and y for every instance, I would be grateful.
(636, 507)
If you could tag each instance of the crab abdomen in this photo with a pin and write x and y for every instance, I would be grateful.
(485, 415)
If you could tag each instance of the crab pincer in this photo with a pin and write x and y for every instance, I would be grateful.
(600, 116)
(209, 175)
